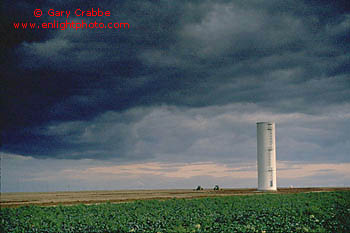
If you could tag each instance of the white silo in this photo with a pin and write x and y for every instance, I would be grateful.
(266, 140)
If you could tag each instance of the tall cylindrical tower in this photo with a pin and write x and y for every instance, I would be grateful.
(266, 140)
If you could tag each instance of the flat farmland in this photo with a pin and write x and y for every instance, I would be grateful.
(297, 210)
(94, 197)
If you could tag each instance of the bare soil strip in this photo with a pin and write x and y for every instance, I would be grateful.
(94, 197)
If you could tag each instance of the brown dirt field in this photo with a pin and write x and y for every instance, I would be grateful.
(94, 197)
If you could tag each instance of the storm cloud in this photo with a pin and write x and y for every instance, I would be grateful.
(185, 83)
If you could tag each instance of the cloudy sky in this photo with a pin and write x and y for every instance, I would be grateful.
(173, 101)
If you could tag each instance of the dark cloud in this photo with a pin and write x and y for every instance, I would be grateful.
(91, 93)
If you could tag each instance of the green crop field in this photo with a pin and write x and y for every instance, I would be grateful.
(302, 212)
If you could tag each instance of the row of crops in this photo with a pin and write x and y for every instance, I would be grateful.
(303, 212)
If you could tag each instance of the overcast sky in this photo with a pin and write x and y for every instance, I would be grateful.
(173, 101)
